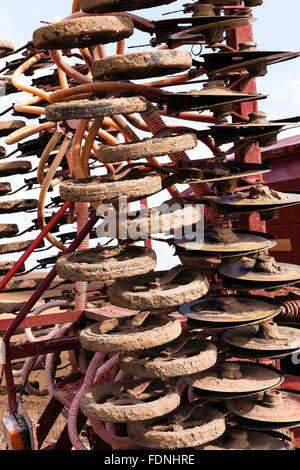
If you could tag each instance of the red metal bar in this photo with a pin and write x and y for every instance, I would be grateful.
(47, 419)
(41, 320)
(21, 351)
(11, 391)
(34, 245)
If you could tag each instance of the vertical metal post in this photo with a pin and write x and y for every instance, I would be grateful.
(250, 153)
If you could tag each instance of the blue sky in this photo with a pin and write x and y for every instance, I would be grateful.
(277, 28)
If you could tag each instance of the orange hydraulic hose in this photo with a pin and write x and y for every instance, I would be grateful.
(104, 87)
(190, 116)
(77, 168)
(15, 79)
(178, 80)
(61, 74)
(76, 6)
(26, 106)
(27, 131)
(107, 121)
(76, 149)
(55, 182)
(136, 122)
(84, 52)
(44, 189)
(89, 141)
(61, 64)
(108, 137)
(45, 156)
(101, 50)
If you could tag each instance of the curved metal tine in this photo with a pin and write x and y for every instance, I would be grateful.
(43, 249)
(10, 108)
(27, 272)
(17, 190)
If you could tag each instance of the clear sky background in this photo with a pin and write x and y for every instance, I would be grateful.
(276, 28)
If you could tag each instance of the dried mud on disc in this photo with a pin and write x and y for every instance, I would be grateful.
(171, 360)
(82, 32)
(104, 264)
(123, 335)
(203, 425)
(95, 109)
(103, 188)
(139, 65)
(135, 400)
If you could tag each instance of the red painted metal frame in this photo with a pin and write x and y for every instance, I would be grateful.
(41, 320)
(20, 351)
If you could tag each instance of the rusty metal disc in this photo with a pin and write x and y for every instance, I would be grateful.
(257, 128)
(15, 168)
(230, 309)
(239, 439)
(210, 328)
(141, 331)
(224, 62)
(215, 172)
(208, 28)
(111, 6)
(244, 272)
(275, 408)
(235, 377)
(130, 401)
(247, 201)
(242, 243)
(214, 96)
(187, 426)
(256, 338)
